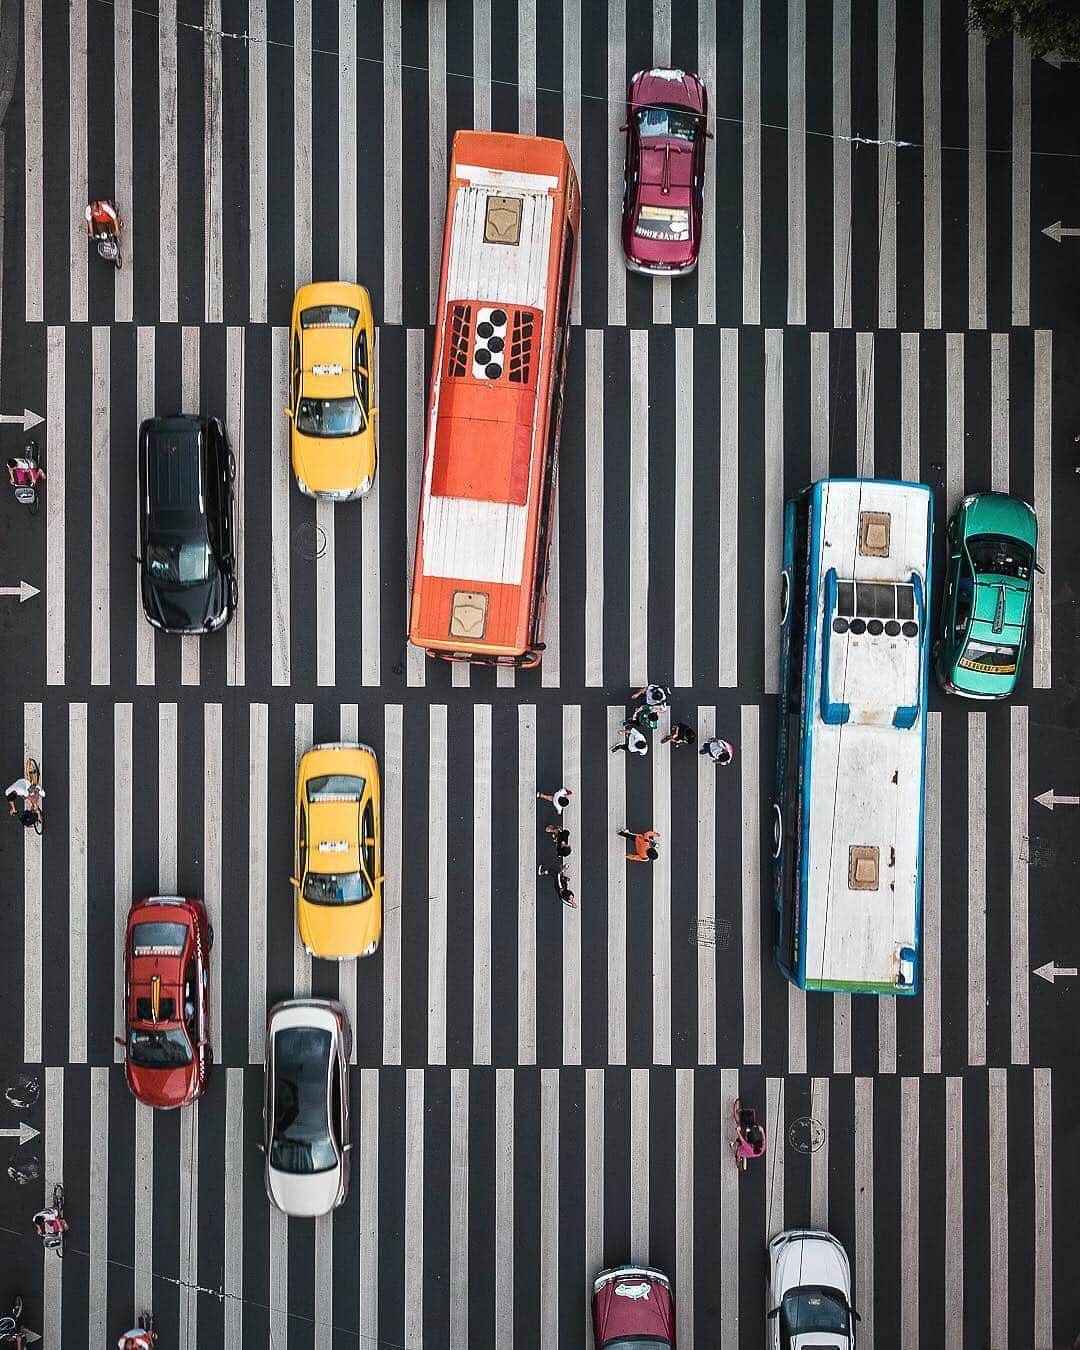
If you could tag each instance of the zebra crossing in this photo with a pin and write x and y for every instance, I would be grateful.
(464, 1225)
(636, 587)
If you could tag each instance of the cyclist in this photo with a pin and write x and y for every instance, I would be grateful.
(50, 1226)
(12, 1331)
(749, 1141)
(31, 795)
(103, 220)
(142, 1337)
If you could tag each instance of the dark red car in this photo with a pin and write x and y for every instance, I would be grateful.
(633, 1309)
(167, 1000)
(664, 177)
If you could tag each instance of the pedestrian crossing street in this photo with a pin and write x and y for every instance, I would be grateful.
(480, 965)
(483, 1199)
(714, 420)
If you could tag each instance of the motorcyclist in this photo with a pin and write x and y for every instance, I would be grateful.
(103, 220)
(138, 1338)
(50, 1226)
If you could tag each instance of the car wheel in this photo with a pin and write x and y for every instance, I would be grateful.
(230, 467)
(785, 596)
(234, 592)
(777, 831)
(210, 937)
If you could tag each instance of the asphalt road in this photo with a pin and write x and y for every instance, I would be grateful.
(537, 1093)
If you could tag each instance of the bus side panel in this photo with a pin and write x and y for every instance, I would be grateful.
(928, 582)
(814, 501)
(782, 798)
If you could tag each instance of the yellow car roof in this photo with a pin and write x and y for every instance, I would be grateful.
(334, 836)
(327, 354)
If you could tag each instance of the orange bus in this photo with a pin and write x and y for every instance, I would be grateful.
(483, 536)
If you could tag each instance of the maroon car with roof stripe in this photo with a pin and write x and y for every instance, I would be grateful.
(633, 1309)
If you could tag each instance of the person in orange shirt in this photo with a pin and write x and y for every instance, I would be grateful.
(644, 845)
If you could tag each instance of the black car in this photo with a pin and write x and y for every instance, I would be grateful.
(186, 473)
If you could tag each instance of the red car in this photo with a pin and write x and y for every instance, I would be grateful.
(633, 1306)
(664, 177)
(167, 1000)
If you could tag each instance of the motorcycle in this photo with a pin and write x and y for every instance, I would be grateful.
(24, 475)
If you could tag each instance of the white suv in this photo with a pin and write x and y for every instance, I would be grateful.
(809, 1304)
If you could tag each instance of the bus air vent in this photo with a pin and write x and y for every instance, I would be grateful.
(875, 527)
(490, 350)
(502, 221)
(468, 615)
(862, 867)
(460, 326)
(521, 346)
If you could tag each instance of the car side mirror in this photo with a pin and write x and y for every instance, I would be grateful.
(261, 1148)
(374, 412)
(346, 1148)
(709, 136)
(1040, 568)
(773, 1312)
(379, 880)
(295, 881)
(857, 1316)
(288, 413)
(625, 126)
(369, 843)
(120, 1042)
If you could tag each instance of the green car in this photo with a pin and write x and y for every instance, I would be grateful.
(986, 608)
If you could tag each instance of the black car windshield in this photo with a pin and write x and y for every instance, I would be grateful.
(814, 1308)
(178, 562)
(161, 1048)
(158, 939)
(681, 126)
(1000, 556)
(300, 1141)
(329, 417)
(325, 888)
(329, 316)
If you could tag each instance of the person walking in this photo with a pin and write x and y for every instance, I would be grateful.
(680, 734)
(644, 718)
(635, 742)
(644, 845)
(560, 798)
(561, 839)
(31, 795)
(652, 695)
(562, 884)
(721, 752)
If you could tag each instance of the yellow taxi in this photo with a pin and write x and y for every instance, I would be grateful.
(331, 372)
(338, 877)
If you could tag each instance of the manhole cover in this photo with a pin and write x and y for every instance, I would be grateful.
(309, 540)
(711, 933)
(806, 1135)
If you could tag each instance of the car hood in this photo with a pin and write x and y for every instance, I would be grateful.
(334, 463)
(677, 88)
(185, 609)
(340, 931)
(996, 513)
(304, 1195)
(633, 1306)
(807, 1259)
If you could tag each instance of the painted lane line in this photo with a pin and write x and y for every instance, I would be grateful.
(168, 166)
(258, 268)
(392, 306)
(954, 420)
(728, 647)
(280, 524)
(34, 162)
(594, 508)
(865, 422)
(348, 186)
(661, 57)
(55, 506)
(728, 1333)
(233, 1270)
(1020, 196)
(258, 737)
(999, 412)
(706, 268)
(78, 162)
(706, 892)
(146, 402)
(976, 896)
(841, 1033)
(392, 890)
(774, 1169)
(819, 1159)
(278, 1264)
(482, 952)
(909, 1229)
(550, 666)
(123, 772)
(886, 162)
(977, 168)
(910, 411)
(616, 111)
(528, 883)
(415, 389)
(931, 157)
(303, 738)
(77, 883)
(571, 918)
(459, 1209)
(368, 1281)
(438, 842)
(953, 1226)
(100, 455)
(931, 926)
(123, 153)
(168, 799)
(594, 1179)
(683, 659)
(841, 177)
(438, 172)
(98, 1198)
(302, 206)
(414, 1208)
(796, 1036)
(637, 1183)
(370, 552)
(211, 890)
(774, 494)
(235, 633)
(526, 16)
(549, 1207)
(864, 1205)
(750, 795)
(796, 162)
(53, 1293)
(571, 111)
(886, 1011)
(660, 876)
(504, 1206)
(638, 599)
(349, 971)
(1041, 664)
(1043, 1144)
(616, 894)
(325, 597)
(751, 155)
(187, 1190)
(819, 406)
(143, 1206)
(997, 1198)
(190, 364)
(481, 54)
(1018, 890)
(684, 1201)
(213, 168)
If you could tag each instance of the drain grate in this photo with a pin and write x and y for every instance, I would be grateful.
(806, 1135)
(711, 933)
(309, 541)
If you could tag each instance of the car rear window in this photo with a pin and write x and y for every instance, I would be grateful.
(663, 222)
(989, 658)
(158, 939)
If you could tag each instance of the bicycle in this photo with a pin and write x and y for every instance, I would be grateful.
(54, 1240)
(32, 773)
(747, 1134)
(11, 1327)
(143, 1336)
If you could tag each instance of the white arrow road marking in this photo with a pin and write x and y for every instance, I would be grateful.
(24, 1131)
(26, 417)
(23, 590)
(1050, 799)
(1057, 231)
(1049, 972)
(1056, 59)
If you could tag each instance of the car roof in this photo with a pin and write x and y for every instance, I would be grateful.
(174, 467)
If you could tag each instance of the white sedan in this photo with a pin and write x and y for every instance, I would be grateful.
(809, 1304)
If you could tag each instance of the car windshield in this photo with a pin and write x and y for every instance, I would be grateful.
(158, 939)
(1000, 556)
(681, 126)
(325, 888)
(177, 562)
(638, 1343)
(161, 1048)
(329, 417)
(814, 1309)
(335, 787)
(301, 1136)
(990, 658)
(329, 316)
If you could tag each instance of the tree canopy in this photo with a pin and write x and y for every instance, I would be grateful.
(1049, 25)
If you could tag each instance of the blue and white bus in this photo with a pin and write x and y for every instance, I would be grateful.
(851, 735)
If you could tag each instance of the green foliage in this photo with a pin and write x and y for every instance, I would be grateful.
(1049, 25)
